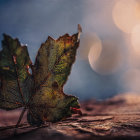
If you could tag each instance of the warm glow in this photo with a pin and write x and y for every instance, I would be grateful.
(88, 40)
(105, 58)
(126, 14)
(94, 53)
(134, 47)
(135, 39)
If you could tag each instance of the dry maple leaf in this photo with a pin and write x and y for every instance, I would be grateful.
(42, 91)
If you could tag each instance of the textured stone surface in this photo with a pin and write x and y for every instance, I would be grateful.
(118, 117)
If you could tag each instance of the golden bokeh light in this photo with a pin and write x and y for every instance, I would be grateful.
(87, 41)
(135, 39)
(94, 54)
(126, 14)
(133, 42)
(106, 58)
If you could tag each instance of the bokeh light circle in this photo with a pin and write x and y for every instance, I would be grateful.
(135, 39)
(126, 14)
(105, 58)
(94, 54)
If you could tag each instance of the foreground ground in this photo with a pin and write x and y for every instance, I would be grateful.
(116, 118)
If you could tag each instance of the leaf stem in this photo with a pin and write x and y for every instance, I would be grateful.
(21, 116)
(19, 88)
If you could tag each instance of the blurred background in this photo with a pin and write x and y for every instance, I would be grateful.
(108, 59)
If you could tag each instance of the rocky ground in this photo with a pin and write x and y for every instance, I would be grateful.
(115, 118)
